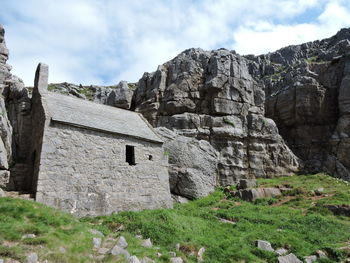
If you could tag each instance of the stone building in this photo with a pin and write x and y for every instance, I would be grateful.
(93, 159)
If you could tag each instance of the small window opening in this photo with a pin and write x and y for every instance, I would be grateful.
(130, 154)
(150, 157)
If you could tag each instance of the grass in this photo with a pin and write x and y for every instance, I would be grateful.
(54, 229)
(298, 222)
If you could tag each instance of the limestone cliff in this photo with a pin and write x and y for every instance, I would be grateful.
(15, 123)
(308, 95)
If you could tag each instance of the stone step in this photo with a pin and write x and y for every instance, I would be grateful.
(21, 195)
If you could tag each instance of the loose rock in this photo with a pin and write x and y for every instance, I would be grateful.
(122, 242)
(133, 259)
(246, 183)
(200, 254)
(147, 260)
(310, 259)
(321, 254)
(28, 236)
(176, 260)
(97, 242)
(116, 250)
(96, 232)
(32, 258)
(290, 258)
(281, 251)
(264, 245)
(147, 243)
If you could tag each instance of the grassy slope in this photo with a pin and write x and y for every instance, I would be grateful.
(301, 224)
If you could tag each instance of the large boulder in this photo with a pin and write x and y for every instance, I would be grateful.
(192, 164)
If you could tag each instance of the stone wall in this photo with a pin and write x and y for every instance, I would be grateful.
(84, 172)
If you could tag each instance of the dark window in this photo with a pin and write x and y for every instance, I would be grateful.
(130, 154)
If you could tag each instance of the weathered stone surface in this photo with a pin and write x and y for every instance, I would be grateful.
(281, 251)
(246, 183)
(290, 258)
(112, 158)
(200, 254)
(176, 260)
(307, 95)
(4, 178)
(147, 243)
(32, 258)
(116, 251)
(122, 242)
(96, 241)
(343, 210)
(2, 193)
(120, 96)
(310, 259)
(264, 245)
(147, 260)
(145, 185)
(192, 164)
(212, 96)
(96, 232)
(133, 259)
(256, 193)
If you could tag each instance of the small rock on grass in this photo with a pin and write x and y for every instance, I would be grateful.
(310, 259)
(103, 250)
(200, 254)
(147, 243)
(281, 251)
(32, 258)
(62, 250)
(116, 251)
(176, 260)
(1, 260)
(96, 232)
(133, 259)
(177, 246)
(290, 258)
(264, 245)
(147, 260)
(28, 236)
(97, 242)
(122, 242)
(172, 254)
(321, 254)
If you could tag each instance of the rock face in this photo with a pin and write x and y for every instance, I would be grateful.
(211, 96)
(308, 95)
(192, 164)
(14, 123)
(118, 96)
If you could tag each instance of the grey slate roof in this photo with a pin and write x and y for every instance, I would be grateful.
(87, 114)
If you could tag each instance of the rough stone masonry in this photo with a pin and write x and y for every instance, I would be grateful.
(92, 159)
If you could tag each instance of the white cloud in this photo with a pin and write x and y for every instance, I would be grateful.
(262, 36)
(104, 41)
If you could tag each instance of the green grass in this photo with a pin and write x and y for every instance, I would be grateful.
(53, 229)
(298, 222)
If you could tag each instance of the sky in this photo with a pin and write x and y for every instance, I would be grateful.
(102, 42)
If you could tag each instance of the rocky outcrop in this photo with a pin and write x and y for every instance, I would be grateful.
(15, 122)
(308, 95)
(118, 96)
(192, 164)
(211, 96)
